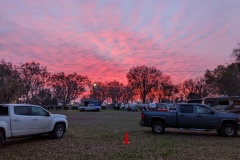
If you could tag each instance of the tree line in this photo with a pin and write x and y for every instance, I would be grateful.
(32, 83)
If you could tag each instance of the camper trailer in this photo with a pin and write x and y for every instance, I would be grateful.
(220, 103)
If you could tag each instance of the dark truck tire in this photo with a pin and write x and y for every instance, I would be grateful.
(58, 131)
(1, 140)
(158, 128)
(229, 130)
(219, 131)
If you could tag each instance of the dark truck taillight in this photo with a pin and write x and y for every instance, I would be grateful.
(142, 116)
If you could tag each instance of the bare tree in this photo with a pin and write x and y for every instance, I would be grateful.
(165, 89)
(187, 88)
(10, 82)
(115, 91)
(143, 79)
(224, 79)
(236, 53)
(201, 88)
(194, 89)
(45, 97)
(34, 79)
(128, 94)
(99, 91)
(68, 87)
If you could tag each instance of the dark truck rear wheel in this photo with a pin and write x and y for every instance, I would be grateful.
(219, 131)
(158, 127)
(229, 130)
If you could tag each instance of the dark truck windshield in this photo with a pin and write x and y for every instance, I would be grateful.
(3, 110)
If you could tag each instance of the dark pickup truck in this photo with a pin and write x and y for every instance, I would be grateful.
(192, 116)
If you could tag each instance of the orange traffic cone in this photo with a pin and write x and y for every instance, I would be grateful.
(126, 139)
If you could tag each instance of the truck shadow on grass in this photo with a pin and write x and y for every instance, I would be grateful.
(26, 140)
(183, 132)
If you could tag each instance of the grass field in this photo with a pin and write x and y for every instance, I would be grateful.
(100, 135)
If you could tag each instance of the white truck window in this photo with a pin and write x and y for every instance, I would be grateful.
(38, 111)
(21, 110)
(3, 111)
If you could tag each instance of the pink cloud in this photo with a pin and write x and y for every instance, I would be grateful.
(104, 39)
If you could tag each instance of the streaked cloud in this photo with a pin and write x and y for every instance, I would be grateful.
(104, 39)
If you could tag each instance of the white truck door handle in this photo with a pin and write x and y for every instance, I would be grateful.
(16, 119)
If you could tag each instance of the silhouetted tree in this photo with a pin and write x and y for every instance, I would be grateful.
(34, 78)
(236, 53)
(45, 97)
(224, 79)
(194, 89)
(128, 94)
(98, 91)
(115, 91)
(187, 88)
(10, 82)
(143, 79)
(68, 87)
(165, 89)
(151, 96)
(201, 88)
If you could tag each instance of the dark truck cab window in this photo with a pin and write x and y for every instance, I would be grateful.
(186, 108)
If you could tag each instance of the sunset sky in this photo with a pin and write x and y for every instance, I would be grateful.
(103, 39)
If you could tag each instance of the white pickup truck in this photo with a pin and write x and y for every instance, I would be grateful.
(89, 107)
(17, 120)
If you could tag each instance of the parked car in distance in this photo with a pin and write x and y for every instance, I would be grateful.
(104, 106)
(89, 107)
(166, 107)
(129, 107)
(232, 107)
(237, 111)
(152, 106)
(17, 120)
(143, 107)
